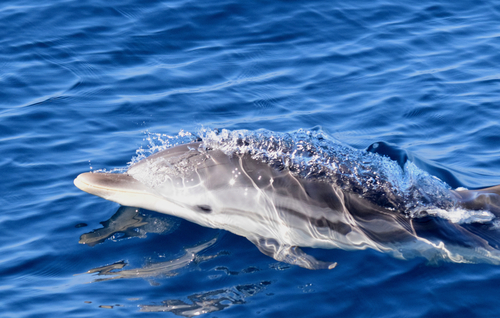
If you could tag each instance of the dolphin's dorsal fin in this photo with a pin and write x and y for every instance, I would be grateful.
(392, 151)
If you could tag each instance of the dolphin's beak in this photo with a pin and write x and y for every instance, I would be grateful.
(127, 191)
(108, 185)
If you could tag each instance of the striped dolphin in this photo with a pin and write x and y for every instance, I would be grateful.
(344, 198)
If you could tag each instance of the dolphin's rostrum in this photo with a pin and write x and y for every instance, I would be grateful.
(286, 191)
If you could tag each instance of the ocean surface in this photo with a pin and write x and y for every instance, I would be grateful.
(92, 85)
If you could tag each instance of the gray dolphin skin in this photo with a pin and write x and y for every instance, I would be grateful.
(294, 194)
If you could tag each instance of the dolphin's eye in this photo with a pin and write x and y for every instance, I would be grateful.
(205, 208)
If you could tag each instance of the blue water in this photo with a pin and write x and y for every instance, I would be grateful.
(85, 84)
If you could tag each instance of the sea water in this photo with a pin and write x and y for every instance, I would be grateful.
(86, 85)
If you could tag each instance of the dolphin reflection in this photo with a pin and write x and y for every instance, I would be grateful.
(215, 300)
(164, 269)
(128, 222)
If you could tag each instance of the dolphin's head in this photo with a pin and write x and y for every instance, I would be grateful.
(190, 182)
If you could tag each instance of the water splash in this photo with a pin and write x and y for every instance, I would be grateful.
(314, 154)
(158, 142)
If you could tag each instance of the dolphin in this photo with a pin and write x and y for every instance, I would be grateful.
(310, 197)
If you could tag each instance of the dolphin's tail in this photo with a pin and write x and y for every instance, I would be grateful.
(481, 199)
